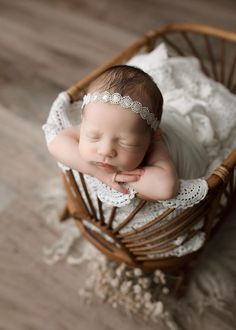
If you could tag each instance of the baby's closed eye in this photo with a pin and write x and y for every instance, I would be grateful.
(93, 136)
(128, 144)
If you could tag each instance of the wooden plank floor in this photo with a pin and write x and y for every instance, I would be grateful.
(45, 46)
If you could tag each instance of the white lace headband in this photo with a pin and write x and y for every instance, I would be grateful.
(125, 102)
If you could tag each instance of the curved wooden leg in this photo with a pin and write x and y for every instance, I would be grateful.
(180, 284)
(64, 214)
(183, 278)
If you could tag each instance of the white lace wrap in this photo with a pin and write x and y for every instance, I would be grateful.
(58, 118)
(191, 192)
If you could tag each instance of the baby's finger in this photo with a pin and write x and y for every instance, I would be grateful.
(138, 171)
(126, 178)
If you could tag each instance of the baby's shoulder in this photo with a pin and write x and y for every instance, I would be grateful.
(158, 149)
(72, 131)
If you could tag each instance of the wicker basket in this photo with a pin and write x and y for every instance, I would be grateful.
(135, 247)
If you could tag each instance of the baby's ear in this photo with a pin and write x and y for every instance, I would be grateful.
(158, 134)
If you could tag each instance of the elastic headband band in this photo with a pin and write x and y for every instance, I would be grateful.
(125, 102)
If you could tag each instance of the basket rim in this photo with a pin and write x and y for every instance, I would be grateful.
(147, 39)
(193, 27)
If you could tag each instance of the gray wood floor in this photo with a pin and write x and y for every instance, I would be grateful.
(45, 46)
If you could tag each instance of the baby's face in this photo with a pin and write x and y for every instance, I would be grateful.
(113, 138)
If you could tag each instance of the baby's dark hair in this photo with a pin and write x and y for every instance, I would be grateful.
(131, 81)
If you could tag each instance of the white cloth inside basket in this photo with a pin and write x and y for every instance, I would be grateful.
(207, 105)
(198, 104)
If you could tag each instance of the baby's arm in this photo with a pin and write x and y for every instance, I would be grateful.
(159, 180)
(65, 148)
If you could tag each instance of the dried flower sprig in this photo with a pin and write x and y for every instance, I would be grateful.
(137, 292)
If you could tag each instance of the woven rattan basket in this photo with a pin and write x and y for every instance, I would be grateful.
(216, 51)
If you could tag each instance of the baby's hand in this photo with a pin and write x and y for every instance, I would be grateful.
(125, 177)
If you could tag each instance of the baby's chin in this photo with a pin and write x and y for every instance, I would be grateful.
(127, 168)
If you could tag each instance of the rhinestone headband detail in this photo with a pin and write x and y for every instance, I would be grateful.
(125, 102)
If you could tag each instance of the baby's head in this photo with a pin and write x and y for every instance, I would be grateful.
(122, 110)
(132, 82)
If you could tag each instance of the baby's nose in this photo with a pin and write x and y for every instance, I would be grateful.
(106, 149)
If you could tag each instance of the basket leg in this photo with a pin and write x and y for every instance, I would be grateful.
(180, 284)
(64, 213)
(183, 278)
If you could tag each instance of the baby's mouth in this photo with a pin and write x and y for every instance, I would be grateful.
(104, 165)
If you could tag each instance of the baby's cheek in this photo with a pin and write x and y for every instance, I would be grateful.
(84, 150)
(131, 161)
